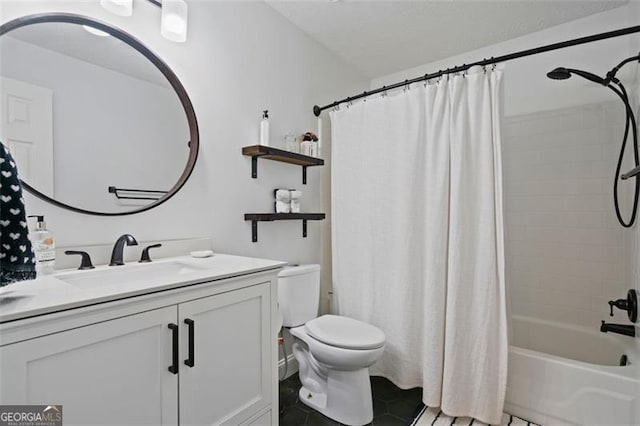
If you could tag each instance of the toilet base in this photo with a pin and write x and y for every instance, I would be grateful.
(347, 400)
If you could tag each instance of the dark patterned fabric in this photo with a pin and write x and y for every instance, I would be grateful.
(17, 259)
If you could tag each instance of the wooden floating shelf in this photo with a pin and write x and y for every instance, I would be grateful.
(270, 217)
(275, 154)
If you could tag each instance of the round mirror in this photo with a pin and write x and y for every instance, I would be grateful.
(97, 123)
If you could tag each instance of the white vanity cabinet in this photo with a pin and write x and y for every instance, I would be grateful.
(231, 373)
(114, 372)
(117, 363)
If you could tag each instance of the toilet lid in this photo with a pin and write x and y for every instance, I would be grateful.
(345, 332)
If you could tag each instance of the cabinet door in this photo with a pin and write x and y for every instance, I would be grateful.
(231, 375)
(114, 372)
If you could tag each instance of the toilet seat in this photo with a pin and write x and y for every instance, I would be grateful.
(344, 332)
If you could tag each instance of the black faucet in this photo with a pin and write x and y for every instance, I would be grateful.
(118, 249)
(627, 330)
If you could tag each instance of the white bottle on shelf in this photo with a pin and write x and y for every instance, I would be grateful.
(264, 128)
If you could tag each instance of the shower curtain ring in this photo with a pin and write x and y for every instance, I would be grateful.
(384, 91)
(406, 85)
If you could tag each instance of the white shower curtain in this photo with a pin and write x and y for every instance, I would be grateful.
(417, 230)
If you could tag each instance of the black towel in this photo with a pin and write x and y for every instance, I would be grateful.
(17, 259)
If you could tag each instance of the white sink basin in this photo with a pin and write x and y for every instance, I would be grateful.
(128, 274)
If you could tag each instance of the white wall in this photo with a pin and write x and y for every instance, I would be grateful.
(109, 129)
(240, 58)
(565, 249)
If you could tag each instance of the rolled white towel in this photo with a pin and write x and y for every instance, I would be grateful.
(282, 195)
(295, 200)
(283, 207)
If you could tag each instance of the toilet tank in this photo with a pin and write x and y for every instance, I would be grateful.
(298, 294)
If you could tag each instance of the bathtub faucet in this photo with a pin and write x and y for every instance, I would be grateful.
(630, 304)
(627, 330)
(620, 304)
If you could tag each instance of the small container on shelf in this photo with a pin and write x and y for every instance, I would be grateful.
(291, 143)
(305, 148)
(309, 144)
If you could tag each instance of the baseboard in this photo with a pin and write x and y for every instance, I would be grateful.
(292, 367)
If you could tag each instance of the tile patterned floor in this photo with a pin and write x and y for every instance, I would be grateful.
(391, 405)
(435, 417)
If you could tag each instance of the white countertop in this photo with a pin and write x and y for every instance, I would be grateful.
(50, 293)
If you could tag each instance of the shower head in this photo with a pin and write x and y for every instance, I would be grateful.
(559, 74)
(565, 73)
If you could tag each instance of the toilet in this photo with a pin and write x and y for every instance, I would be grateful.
(334, 353)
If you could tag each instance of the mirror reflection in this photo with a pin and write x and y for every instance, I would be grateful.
(82, 111)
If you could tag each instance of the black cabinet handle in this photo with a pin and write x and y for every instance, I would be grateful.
(191, 361)
(173, 368)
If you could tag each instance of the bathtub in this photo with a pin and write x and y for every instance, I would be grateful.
(569, 375)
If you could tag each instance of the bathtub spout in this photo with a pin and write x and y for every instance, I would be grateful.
(627, 330)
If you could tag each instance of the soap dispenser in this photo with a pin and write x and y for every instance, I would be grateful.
(264, 128)
(44, 247)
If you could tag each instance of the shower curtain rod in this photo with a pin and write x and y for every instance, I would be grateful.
(516, 55)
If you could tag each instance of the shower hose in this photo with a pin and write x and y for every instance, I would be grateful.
(630, 122)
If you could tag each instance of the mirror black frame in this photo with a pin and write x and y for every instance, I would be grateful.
(155, 60)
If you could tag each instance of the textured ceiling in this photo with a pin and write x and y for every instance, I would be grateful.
(382, 37)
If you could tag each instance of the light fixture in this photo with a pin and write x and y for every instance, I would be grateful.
(173, 25)
(96, 31)
(119, 7)
(173, 22)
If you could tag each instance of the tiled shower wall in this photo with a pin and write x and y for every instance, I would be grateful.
(566, 254)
